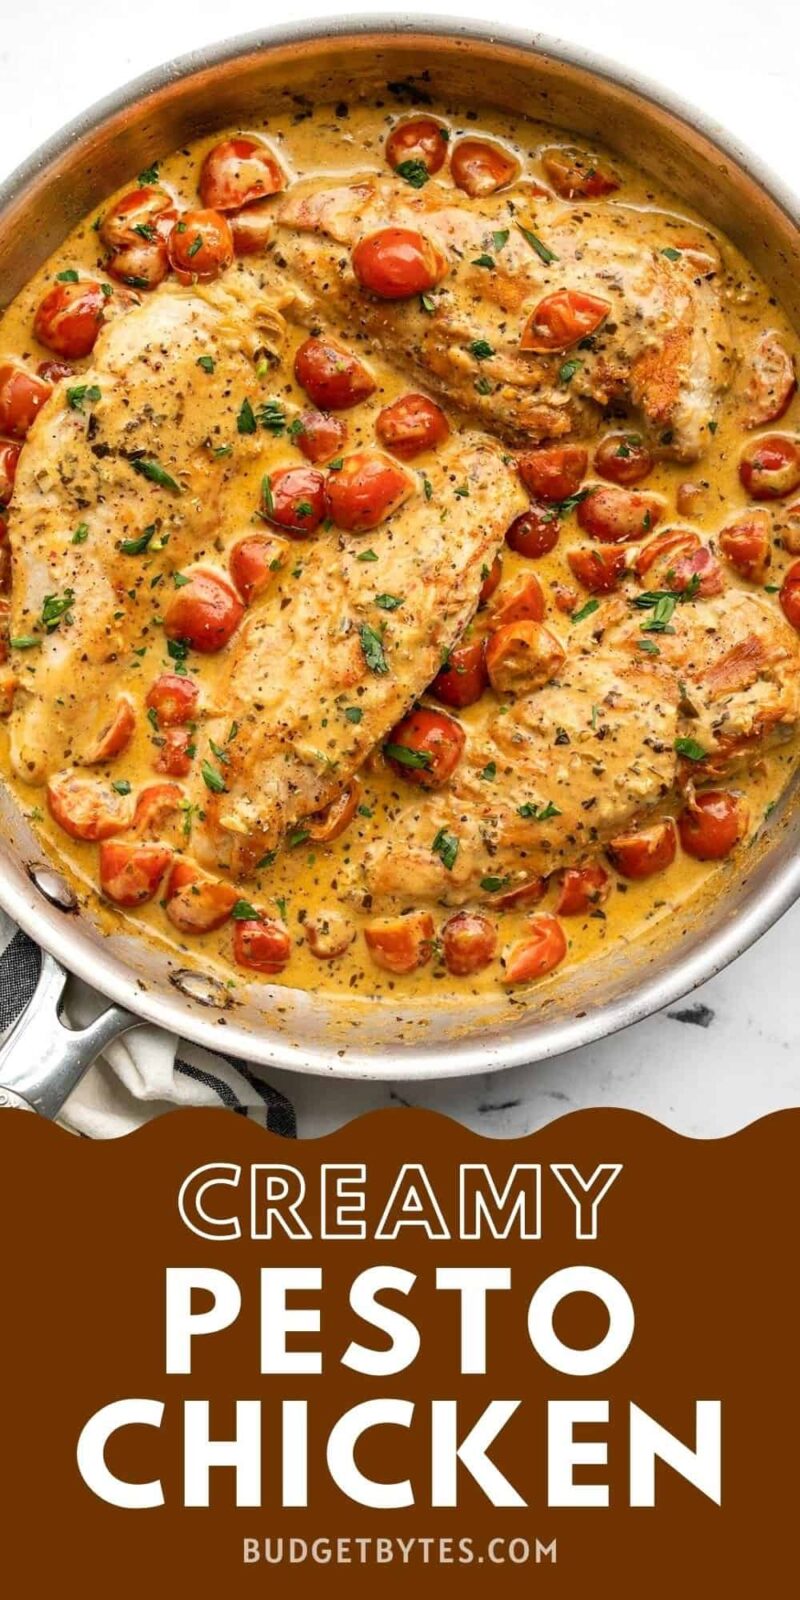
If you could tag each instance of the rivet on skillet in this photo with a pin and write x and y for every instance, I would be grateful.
(53, 887)
(199, 986)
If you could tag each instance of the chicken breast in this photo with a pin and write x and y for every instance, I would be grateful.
(329, 661)
(663, 350)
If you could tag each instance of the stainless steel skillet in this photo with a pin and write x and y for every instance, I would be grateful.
(271, 1026)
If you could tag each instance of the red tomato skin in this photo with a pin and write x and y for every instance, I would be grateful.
(431, 734)
(790, 596)
(254, 563)
(320, 436)
(70, 317)
(770, 467)
(491, 580)
(366, 490)
(480, 167)
(640, 854)
(131, 873)
(238, 171)
(297, 501)
(333, 379)
(522, 600)
(577, 176)
(196, 902)
(262, 944)
(618, 516)
(553, 472)
(561, 319)
(205, 613)
(141, 266)
(712, 824)
(623, 460)
(540, 952)
(9, 456)
(86, 808)
(201, 263)
(174, 758)
(173, 698)
(469, 943)
(401, 944)
(699, 571)
(534, 533)
(148, 208)
(463, 678)
(252, 229)
(581, 889)
(114, 737)
(156, 807)
(600, 571)
(22, 396)
(745, 543)
(666, 544)
(410, 425)
(395, 263)
(773, 381)
(327, 824)
(417, 139)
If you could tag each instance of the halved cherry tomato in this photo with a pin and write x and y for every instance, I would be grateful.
(327, 824)
(643, 852)
(294, 498)
(665, 545)
(581, 889)
(790, 596)
(619, 515)
(491, 580)
(522, 656)
(689, 498)
(395, 263)
(238, 171)
(565, 598)
(254, 564)
(698, 572)
(770, 467)
(469, 943)
(366, 490)
(411, 424)
(535, 533)
(158, 806)
(522, 894)
(463, 677)
(9, 456)
(425, 748)
(131, 873)
(331, 376)
(174, 757)
(418, 139)
(87, 808)
(173, 698)
(22, 396)
(252, 229)
(555, 471)
(772, 381)
(401, 944)
(600, 571)
(576, 175)
(196, 902)
(328, 934)
(143, 216)
(70, 317)
(320, 436)
(480, 167)
(789, 527)
(542, 949)
(140, 266)
(712, 824)
(522, 600)
(200, 246)
(54, 371)
(204, 613)
(561, 319)
(745, 543)
(114, 737)
(263, 944)
(623, 458)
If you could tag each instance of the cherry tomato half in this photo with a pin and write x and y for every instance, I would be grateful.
(22, 396)
(87, 808)
(575, 175)
(401, 944)
(790, 596)
(541, 950)
(623, 458)
(70, 317)
(141, 266)
(469, 943)
(262, 944)
(425, 748)
(196, 902)
(174, 756)
(395, 263)
(480, 167)
(712, 824)
(131, 873)
(9, 456)
(699, 572)
(535, 533)
(238, 171)
(772, 381)
(411, 424)
(463, 677)
(554, 472)
(664, 550)
(561, 319)
(252, 229)
(325, 825)
(746, 543)
(643, 852)
(418, 139)
(143, 216)
(521, 600)
(293, 498)
(600, 571)
(619, 515)
(114, 737)
(522, 656)
(493, 575)
(332, 377)
(204, 613)
(320, 436)
(173, 698)
(200, 246)
(254, 564)
(157, 809)
(770, 467)
(581, 889)
(328, 934)
(366, 490)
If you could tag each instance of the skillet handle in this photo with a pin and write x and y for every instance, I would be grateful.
(42, 1061)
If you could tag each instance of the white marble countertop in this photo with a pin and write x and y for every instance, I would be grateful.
(740, 1056)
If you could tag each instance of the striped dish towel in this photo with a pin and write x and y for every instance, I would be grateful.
(145, 1073)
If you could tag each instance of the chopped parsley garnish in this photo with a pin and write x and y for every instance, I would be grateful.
(149, 175)
(649, 646)
(500, 238)
(535, 243)
(178, 650)
(81, 533)
(211, 778)
(562, 508)
(445, 846)
(242, 911)
(585, 611)
(671, 253)
(266, 494)
(69, 276)
(151, 469)
(196, 244)
(179, 580)
(365, 811)
(55, 607)
(690, 749)
(122, 786)
(484, 261)
(207, 363)
(536, 813)
(494, 885)
(299, 836)
(406, 757)
(484, 385)
(268, 860)
(366, 555)
(427, 303)
(568, 371)
(353, 713)
(336, 466)
(663, 612)
(81, 392)
(414, 172)
(145, 230)
(712, 427)
(24, 641)
(246, 420)
(372, 647)
(136, 547)
(221, 755)
(272, 416)
(481, 350)
(490, 771)
(388, 602)
(462, 491)
(427, 487)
